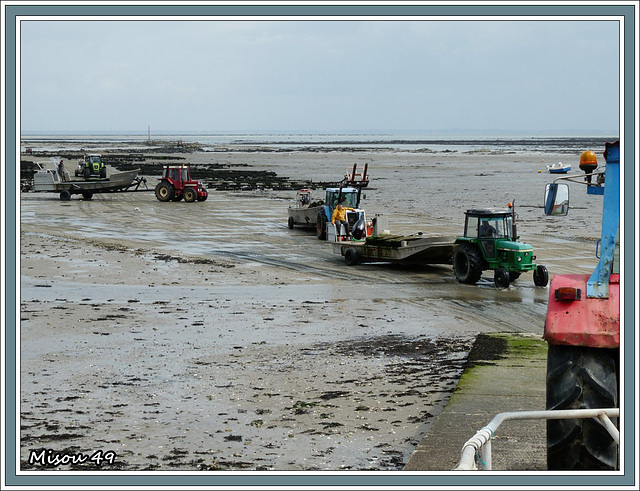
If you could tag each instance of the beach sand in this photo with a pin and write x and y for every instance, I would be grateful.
(209, 336)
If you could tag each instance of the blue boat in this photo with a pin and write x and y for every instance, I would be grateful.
(558, 168)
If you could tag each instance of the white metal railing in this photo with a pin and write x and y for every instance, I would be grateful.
(476, 453)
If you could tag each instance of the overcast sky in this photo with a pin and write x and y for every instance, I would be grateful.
(319, 76)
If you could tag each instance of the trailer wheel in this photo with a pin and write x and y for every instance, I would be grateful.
(164, 191)
(580, 377)
(87, 195)
(321, 226)
(467, 264)
(501, 278)
(65, 195)
(351, 257)
(540, 276)
(190, 195)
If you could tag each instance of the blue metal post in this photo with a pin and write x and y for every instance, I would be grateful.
(598, 284)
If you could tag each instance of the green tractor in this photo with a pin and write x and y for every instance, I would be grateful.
(490, 242)
(91, 166)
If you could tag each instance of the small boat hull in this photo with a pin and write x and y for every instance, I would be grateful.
(304, 217)
(48, 180)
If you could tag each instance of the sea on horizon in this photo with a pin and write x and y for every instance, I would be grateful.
(393, 141)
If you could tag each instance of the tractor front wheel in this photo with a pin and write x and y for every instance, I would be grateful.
(467, 264)
(580, 377)
(501, 278)
(540, 276)
(190, 195)
(164, 192)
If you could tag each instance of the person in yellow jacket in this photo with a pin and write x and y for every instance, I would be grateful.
(339, 216)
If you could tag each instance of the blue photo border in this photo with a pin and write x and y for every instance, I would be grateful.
(325, 480)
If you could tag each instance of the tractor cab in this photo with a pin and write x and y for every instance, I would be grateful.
(495, 224)
(347, 196)
(178, 174)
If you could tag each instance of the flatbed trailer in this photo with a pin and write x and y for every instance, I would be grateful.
(416, 249)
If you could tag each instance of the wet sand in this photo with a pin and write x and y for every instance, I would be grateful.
(209, 336)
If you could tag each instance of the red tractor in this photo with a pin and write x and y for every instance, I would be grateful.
(176, 183)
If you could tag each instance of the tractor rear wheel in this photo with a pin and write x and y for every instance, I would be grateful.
(467, 264)
(190, 195)
(501, 278)
(164, 191)
(540, 276)
(321, 226)
(580, 377)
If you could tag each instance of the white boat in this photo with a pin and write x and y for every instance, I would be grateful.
(558, 168)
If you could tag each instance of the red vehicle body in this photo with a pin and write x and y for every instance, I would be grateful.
(176, 183)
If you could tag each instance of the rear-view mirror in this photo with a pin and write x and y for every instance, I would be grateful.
(556, 199)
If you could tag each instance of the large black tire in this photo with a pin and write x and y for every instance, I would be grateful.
(581, 378)
(87, 173)
(190, 195)
(65, 195)
(321, 226)
(540, 276)
(467, 263)
(87, 195)
(501, 278)
(351, 256)
(513, 275)
(164, 191)
(290, 222)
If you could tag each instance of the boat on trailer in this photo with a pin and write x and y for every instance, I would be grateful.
(47, 179)
(303, 213)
